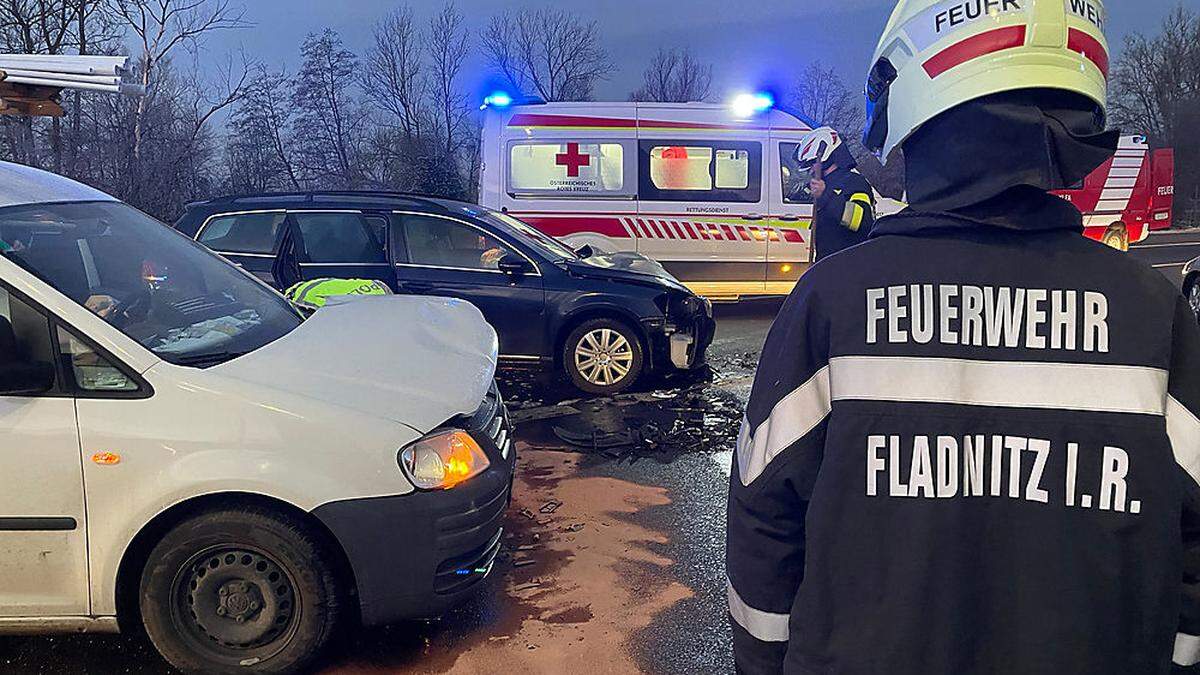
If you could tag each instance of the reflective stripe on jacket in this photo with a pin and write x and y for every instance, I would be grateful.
(315, 293)
(845, 214)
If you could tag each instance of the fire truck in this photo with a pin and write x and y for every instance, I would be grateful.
(1128, 196)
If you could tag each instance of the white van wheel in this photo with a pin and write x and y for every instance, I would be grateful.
(239, 591)
(603, 356)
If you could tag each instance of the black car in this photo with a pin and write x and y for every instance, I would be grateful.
(1191, 285)
(603, 319)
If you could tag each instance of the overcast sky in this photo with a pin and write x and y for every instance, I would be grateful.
(750, 42)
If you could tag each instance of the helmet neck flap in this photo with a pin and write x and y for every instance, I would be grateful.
(1041, 138)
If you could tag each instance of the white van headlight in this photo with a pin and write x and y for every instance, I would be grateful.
(443, 460)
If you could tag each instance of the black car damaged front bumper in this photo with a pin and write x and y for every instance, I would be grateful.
(682, 338)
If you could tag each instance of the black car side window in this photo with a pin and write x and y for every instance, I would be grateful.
(338, 238)
(438, 242)
(242, 232)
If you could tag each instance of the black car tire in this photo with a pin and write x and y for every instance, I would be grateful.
(1193, 294)
(240, 591)
(618, 356)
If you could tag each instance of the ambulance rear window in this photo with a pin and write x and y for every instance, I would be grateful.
(569, 168)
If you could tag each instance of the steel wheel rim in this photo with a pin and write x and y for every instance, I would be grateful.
(207, 603)
(603, 357)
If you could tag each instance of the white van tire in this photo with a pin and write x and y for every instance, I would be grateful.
(622, 356)
(240, 591)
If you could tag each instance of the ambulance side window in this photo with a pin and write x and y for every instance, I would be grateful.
(571, 169)
(700, 171)
(793, 179)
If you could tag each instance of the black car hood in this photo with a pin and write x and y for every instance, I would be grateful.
(623, 267)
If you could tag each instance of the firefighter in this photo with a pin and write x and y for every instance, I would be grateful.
(843, 200)
(973, 443)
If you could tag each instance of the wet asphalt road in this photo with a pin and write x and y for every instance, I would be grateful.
(677, 434)
(1169, 251)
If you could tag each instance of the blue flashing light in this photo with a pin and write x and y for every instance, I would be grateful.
(497, 99)
(749, 105)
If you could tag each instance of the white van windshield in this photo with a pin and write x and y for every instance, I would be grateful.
(174, 297)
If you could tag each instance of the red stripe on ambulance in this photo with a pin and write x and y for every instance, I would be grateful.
(571, 121)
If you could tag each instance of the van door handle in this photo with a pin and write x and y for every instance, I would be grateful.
(790, 219)
(752, 216)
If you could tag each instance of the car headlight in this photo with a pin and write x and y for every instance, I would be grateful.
(443, 460)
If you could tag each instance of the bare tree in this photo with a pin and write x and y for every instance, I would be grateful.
(447, 45)
(328, 120)
(1155, 89)
(259, 151)
(548, 52)
(1155, 74)
(392, 73)
(819, 94)
(161, 26)
(675, 75)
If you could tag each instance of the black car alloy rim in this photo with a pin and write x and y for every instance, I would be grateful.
(1194, 297)
(235, 603)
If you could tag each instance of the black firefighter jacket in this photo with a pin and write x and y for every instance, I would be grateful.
(845, 214)
(971, 447)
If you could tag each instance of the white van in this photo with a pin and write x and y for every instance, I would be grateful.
(182, 451)
(710, 192)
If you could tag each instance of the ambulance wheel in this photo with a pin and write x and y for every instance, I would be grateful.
(1117, 236)
(240, 591)
(603, 356)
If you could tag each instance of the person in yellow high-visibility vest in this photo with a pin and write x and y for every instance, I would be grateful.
(313, 294)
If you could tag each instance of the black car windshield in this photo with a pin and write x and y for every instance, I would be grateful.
(549, 246)
(174, 297)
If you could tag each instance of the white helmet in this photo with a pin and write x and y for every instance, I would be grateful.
(817, 146)
(937, 54)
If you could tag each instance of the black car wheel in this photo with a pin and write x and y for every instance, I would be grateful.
(240, 591)
(603, 356)
(1193, 295)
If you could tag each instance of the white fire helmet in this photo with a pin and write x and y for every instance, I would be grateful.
(935, 55)
(817, 146)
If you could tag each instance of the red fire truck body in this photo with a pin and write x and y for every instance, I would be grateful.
(1128, 196)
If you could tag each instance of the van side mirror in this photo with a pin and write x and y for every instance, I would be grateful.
(25, 379)
(514, 265)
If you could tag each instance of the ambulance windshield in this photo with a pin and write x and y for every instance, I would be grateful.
(174, 297)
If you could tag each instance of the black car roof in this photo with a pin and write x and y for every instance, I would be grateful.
(199, 211)
(358, 198)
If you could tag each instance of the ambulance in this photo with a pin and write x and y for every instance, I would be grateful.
(710, 191)
(1128, 196)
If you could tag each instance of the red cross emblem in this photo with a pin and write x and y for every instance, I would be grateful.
(573, 159)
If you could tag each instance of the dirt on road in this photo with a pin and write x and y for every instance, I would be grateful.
(578, 581)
